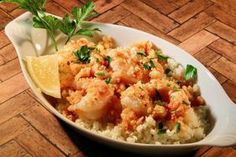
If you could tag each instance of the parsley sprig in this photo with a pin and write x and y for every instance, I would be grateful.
(70, 24)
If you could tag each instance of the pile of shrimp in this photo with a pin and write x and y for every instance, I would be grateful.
(123, 86)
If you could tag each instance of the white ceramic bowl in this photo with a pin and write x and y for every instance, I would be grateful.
(29, 41)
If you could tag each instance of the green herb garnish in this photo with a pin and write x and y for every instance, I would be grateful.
(70, 24)
(83, 54)
(108, 59)
(177, 127)
(141, 53)
(149, 65)
(190, 72)
(175, 89)
(141, 88)
(161, 128)
(108, 80)
(102, 74)
(160, 56)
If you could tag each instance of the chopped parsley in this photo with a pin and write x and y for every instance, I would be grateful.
(190, 73)
(102, 74)
(108, 80)
(149, 65)
(83, 54)
(161, 128)
(160, 56)
(141, 88)
(175, 89)
(141, 53)
(108, 59)
(177, 127)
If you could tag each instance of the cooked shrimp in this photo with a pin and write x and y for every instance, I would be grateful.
(95, 103)
(136, 98)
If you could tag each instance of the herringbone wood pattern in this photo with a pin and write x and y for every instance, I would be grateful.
(204, 28)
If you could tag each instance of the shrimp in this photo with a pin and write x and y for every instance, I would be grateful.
(96, 101)
(137, 98)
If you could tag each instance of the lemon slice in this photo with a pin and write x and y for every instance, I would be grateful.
(44, 72)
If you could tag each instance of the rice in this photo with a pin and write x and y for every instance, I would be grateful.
(147, 132)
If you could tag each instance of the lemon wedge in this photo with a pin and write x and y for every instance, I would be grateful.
(45, 73)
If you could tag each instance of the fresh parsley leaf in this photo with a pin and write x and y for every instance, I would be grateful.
(175, 89)
(102, 74)
(81, 14)
(160, 56)
(83, 54)
(108, 80)
(84, 12)
(190, 73)
(146, 66)
(141, 53)
(177, 127)
(108, 59)
(161, 128)
(68, 25)
(87, 31)
(149, 65)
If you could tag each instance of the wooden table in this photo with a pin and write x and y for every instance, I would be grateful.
(206, 29)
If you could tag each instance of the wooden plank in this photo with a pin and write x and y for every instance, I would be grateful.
(201, 151)
(228, 5)
(8, 52)
(179, 3)
(198, 42)
(68, 6)
(230, 88)
(220, 152)
(226, 68)
(224, 31)
(221, 78)
(1, 61)
(131, 21)
(12, 87)
(55, 9)
(6, 6)
(150, 15)
(5, 18)
(163, 6)
(9, 69)
(189, 10)
(112, 16)
(225, 49)
(13, 149)
(12, 128)
(56, 134)
(17, 12)
(3, 39)
(37, 145)
(222, 15)
(16, 105)
(207, 56)
(104, 5)
(192, 26)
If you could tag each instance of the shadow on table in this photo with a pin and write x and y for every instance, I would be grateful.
(91, 148)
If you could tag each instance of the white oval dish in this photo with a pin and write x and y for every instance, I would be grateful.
(223, 110)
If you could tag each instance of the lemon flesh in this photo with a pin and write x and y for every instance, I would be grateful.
(45, 73)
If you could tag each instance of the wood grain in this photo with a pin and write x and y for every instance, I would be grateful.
(189, 10)
(204, 28)
(198, 41)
